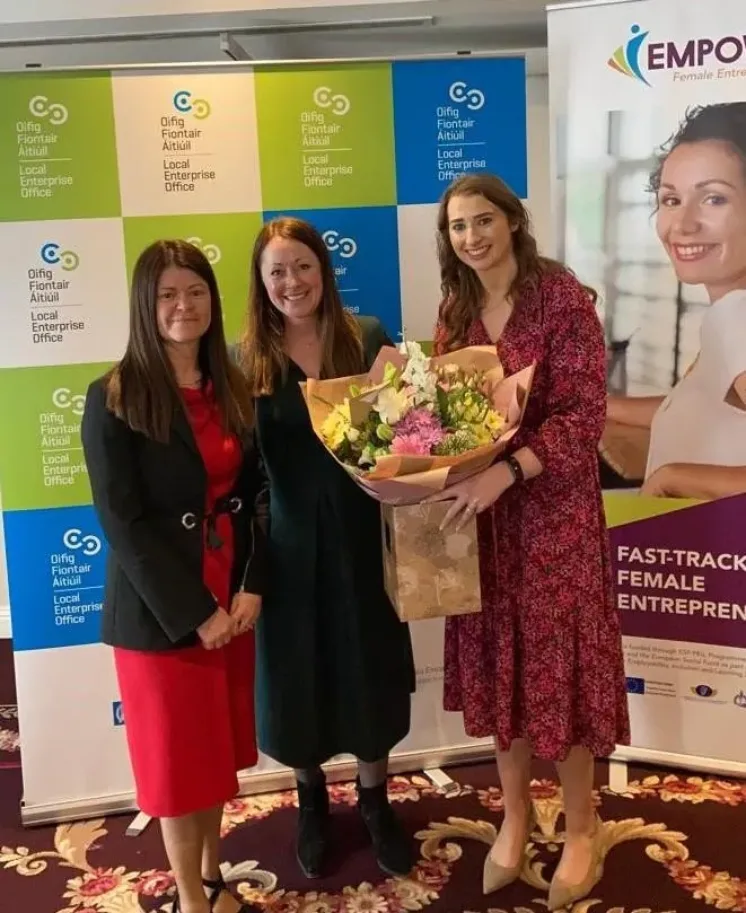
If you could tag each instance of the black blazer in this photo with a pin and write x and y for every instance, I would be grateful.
(150, 500)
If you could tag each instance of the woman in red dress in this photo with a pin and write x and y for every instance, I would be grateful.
(182, 500)
(541, 667)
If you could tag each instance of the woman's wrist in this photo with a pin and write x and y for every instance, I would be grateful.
(515, 467)
(502, 471)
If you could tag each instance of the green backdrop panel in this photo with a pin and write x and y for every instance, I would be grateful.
(624, 507)
(326, 137)
(57, 148)
(43, 407)
(226, 239)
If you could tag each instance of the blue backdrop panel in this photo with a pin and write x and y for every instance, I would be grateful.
(364, 246)
(56, 562)
(455, 117)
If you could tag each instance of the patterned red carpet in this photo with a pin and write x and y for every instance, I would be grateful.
(673, 844)
(9, 741)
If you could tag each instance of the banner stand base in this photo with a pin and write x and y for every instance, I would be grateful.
(618, 779)
(441, 779)
(432, 764)
(626, 754)
(253, 783)
(139, 824)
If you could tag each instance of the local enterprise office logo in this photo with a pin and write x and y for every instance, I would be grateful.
(638, 57)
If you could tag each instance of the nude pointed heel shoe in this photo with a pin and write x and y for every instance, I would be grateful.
(495, 877)
(563, 895)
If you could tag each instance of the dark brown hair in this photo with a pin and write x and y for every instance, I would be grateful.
(142, 388)
(462, 291)
(724, 122)
(261, 353)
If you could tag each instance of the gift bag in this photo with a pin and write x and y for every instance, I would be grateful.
(429, 573)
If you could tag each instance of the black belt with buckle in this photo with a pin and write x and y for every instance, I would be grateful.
(225, 505)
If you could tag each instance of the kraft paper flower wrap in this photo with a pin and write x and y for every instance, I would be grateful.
(411, 427)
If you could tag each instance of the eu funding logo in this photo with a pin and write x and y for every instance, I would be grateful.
(638, 57)
(185, 103)
(52, 254)
(635, 685)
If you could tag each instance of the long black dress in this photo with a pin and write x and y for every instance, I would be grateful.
(335, 670)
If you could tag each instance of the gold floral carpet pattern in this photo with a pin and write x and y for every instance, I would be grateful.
(672, 843)
(9, 741)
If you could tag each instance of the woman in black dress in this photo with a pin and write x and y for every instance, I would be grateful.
(335, 671)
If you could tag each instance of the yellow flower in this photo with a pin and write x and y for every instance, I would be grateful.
(494, 422)
(481, 435)
(336, 425)
(485, 428)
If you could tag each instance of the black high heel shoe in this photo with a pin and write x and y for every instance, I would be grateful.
(216, 889)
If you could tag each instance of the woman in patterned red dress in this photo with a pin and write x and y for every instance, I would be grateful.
(182, 500)
(541, 667)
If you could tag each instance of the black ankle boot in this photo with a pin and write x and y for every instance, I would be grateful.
(313, 826)
(392, 845)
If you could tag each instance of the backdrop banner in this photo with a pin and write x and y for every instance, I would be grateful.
(648, 102)
(96, 165)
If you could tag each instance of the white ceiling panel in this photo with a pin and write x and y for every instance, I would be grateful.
(267, 29)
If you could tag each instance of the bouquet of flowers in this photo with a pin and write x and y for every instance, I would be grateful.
(414, 424)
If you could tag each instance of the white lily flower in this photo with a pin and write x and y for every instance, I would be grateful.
(392, 405)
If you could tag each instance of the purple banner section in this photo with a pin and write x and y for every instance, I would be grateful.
(682, 576)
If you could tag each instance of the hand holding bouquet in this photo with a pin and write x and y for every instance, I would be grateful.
(416, 424)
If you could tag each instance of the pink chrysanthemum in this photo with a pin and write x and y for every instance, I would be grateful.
(417, 433)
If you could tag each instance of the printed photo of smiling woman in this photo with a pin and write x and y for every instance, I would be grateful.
(698, 431)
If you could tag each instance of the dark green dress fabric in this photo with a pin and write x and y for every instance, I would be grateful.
(335, 671)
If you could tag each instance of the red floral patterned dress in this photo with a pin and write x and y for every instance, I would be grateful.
(543, 660)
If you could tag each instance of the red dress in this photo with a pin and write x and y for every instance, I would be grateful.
(543, 660)
(189, 713)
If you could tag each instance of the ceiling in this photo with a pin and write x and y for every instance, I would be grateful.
(375, 28)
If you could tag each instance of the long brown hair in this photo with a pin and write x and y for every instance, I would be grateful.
(261, 352)
(142, 389)
(462, 291)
